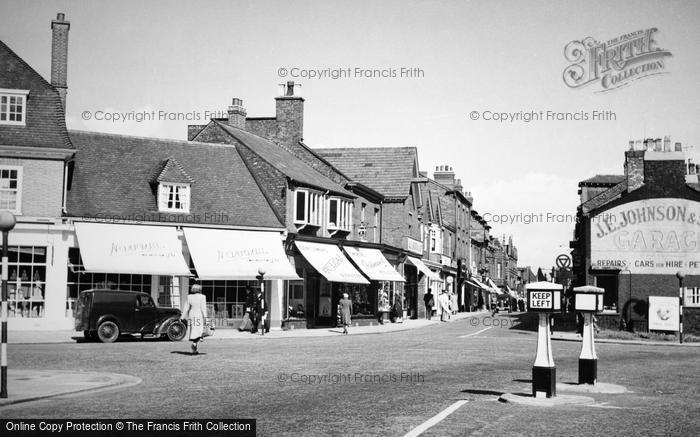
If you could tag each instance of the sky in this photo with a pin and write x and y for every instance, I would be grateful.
(469, 59)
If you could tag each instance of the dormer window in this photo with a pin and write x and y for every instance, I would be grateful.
(172, 186)
(307, 207)
(173, 197)
(339, 214)
(13, 106)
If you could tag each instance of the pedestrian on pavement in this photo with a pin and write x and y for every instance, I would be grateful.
(429, 300)
(444, 306)
(195, 315)
(259, 311)
(345, 309)
(246, 324)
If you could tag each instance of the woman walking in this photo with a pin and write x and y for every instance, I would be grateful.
(195, 314)
(345, 307)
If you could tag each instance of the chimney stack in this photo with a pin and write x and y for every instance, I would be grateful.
(678, 147)
(445, 175)
(59, 56)
(634, 166)
(290, 116)
(236, 114)
(667, 143)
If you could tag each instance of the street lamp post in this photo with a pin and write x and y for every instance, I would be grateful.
(630, 326)
(261, 278)
(7, 223)
(681, 294)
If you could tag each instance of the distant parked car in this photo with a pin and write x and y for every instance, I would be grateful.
(105, 314)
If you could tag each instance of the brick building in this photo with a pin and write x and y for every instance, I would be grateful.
(637, 231)
(35, 159)
(328, 215)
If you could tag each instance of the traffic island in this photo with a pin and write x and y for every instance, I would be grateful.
(554, 401)
(31, 385)
(599, 387)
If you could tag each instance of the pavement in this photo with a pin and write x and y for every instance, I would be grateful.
(572, 336)
(70, 336)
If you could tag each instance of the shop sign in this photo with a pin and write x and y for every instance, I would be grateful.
(445, 260)
(414, 246)
(663, 313)
(651, 236)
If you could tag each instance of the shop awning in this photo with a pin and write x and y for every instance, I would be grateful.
(330, 262)
(495, 287)
(238, 255)
(424, 269)
(131, 249)
(474, 284)
(481, 284)
(373, 264)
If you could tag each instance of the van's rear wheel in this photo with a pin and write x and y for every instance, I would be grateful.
(108, 332)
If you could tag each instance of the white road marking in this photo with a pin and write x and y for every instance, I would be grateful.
(475, 333)
(420, 429)
(604, 405)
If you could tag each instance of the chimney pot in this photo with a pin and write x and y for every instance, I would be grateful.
(290, 88)
(631, 145)
(236, 113)
(678, 147)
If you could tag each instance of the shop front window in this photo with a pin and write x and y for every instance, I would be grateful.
(295, 300)
(79, 280)
(27, 281)
(362, 302)
(226, 299)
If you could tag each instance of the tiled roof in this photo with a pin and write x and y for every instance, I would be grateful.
(388, 170)
(293, 167)
(112, 178)
(45, 120)
(604, 179)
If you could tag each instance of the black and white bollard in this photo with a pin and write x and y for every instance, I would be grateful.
(588, 360)
(588, 300)
(544, 372)
(545, 299)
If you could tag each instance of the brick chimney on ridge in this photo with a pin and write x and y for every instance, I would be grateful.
(59, 55)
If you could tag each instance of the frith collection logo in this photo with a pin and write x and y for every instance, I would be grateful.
(614, 63)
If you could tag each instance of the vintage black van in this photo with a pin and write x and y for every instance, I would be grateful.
(105, 314)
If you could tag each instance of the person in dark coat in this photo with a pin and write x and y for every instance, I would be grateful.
(429, 300)
(345, 307)
(258, 312)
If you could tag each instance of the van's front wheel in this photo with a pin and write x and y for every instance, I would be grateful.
(108, 332)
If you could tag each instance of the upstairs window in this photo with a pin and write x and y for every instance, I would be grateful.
(307, 207)
(173, 197)
(11, 189)
(13, 106)
(339, 214)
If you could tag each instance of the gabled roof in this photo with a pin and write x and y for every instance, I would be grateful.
(45, 124)
(113, 174)
(291, 166)
(171, 170)
(388, 170)
(603, 179)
